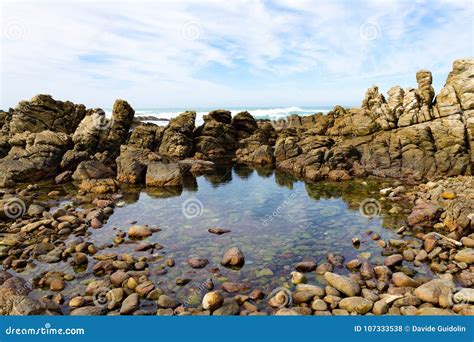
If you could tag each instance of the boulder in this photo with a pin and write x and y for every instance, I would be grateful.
(163, 175)
(343, 284)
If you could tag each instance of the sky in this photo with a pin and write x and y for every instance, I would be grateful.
(180, 54)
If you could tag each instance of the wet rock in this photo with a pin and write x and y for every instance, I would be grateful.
(197, 262)
(167, 302)
(280, 299)
(380, 307)
(464, 296)
(400, 279)
(57, 285)
(235, 287)
(324, 267)
(298, 278)
(164, 175)
(228, 309)
(233, 258)
(218, 231)
(305, 266)
(430, 311)
(130, 304)
(212, 300)
(393, 260)
(139, 232)
(465, 255)
(89, 311)
(319, 305)
(437, 291)
(359, 305)
(343, 284)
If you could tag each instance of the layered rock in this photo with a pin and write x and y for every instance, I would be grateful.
(42, 113)
(217, 137)
(177, 141)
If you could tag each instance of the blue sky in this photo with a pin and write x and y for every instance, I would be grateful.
(226, 53)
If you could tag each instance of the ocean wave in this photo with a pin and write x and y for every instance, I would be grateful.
(258, 113)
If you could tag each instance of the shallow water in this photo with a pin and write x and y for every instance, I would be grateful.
(274, 219)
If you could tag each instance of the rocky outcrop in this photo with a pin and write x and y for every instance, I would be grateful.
(216, 138)
(33, 156)
(42, 113)
(177, 141)
(410, 134)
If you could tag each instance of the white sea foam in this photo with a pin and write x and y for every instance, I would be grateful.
(258, 113)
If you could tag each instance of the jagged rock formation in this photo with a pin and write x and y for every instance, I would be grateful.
(411, 135)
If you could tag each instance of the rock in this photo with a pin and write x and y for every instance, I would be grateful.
(305, 266)
(235, 287)
(139, 232)
(164, 175)
(229, 309)
(42, 112)
(393, 260)
(144, 288)
(57, 285)
(89, 311)
(198, 262)
(118, 277)
(319, 305)
(177, 138)
(343, 284)
(130, 304)
(437, 291)
(212, 300)
(465, 255)
(400, 279)
(80, 259)
(35, 210)
(298, 278)
(424, 214)
(286, 312)
(464, 296)
(380, 307)
(92, 169)
(218, 231)
(316, 291)
(233, 258)
(359, 305)
(281, 299)
(167, 302)
(428, 311)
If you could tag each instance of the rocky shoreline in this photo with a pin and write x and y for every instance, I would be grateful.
(425, 142)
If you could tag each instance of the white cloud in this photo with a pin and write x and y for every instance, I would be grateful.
(184, 53)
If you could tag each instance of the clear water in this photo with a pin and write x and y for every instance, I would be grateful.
(274, 219)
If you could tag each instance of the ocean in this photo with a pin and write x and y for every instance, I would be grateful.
(271, 113)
